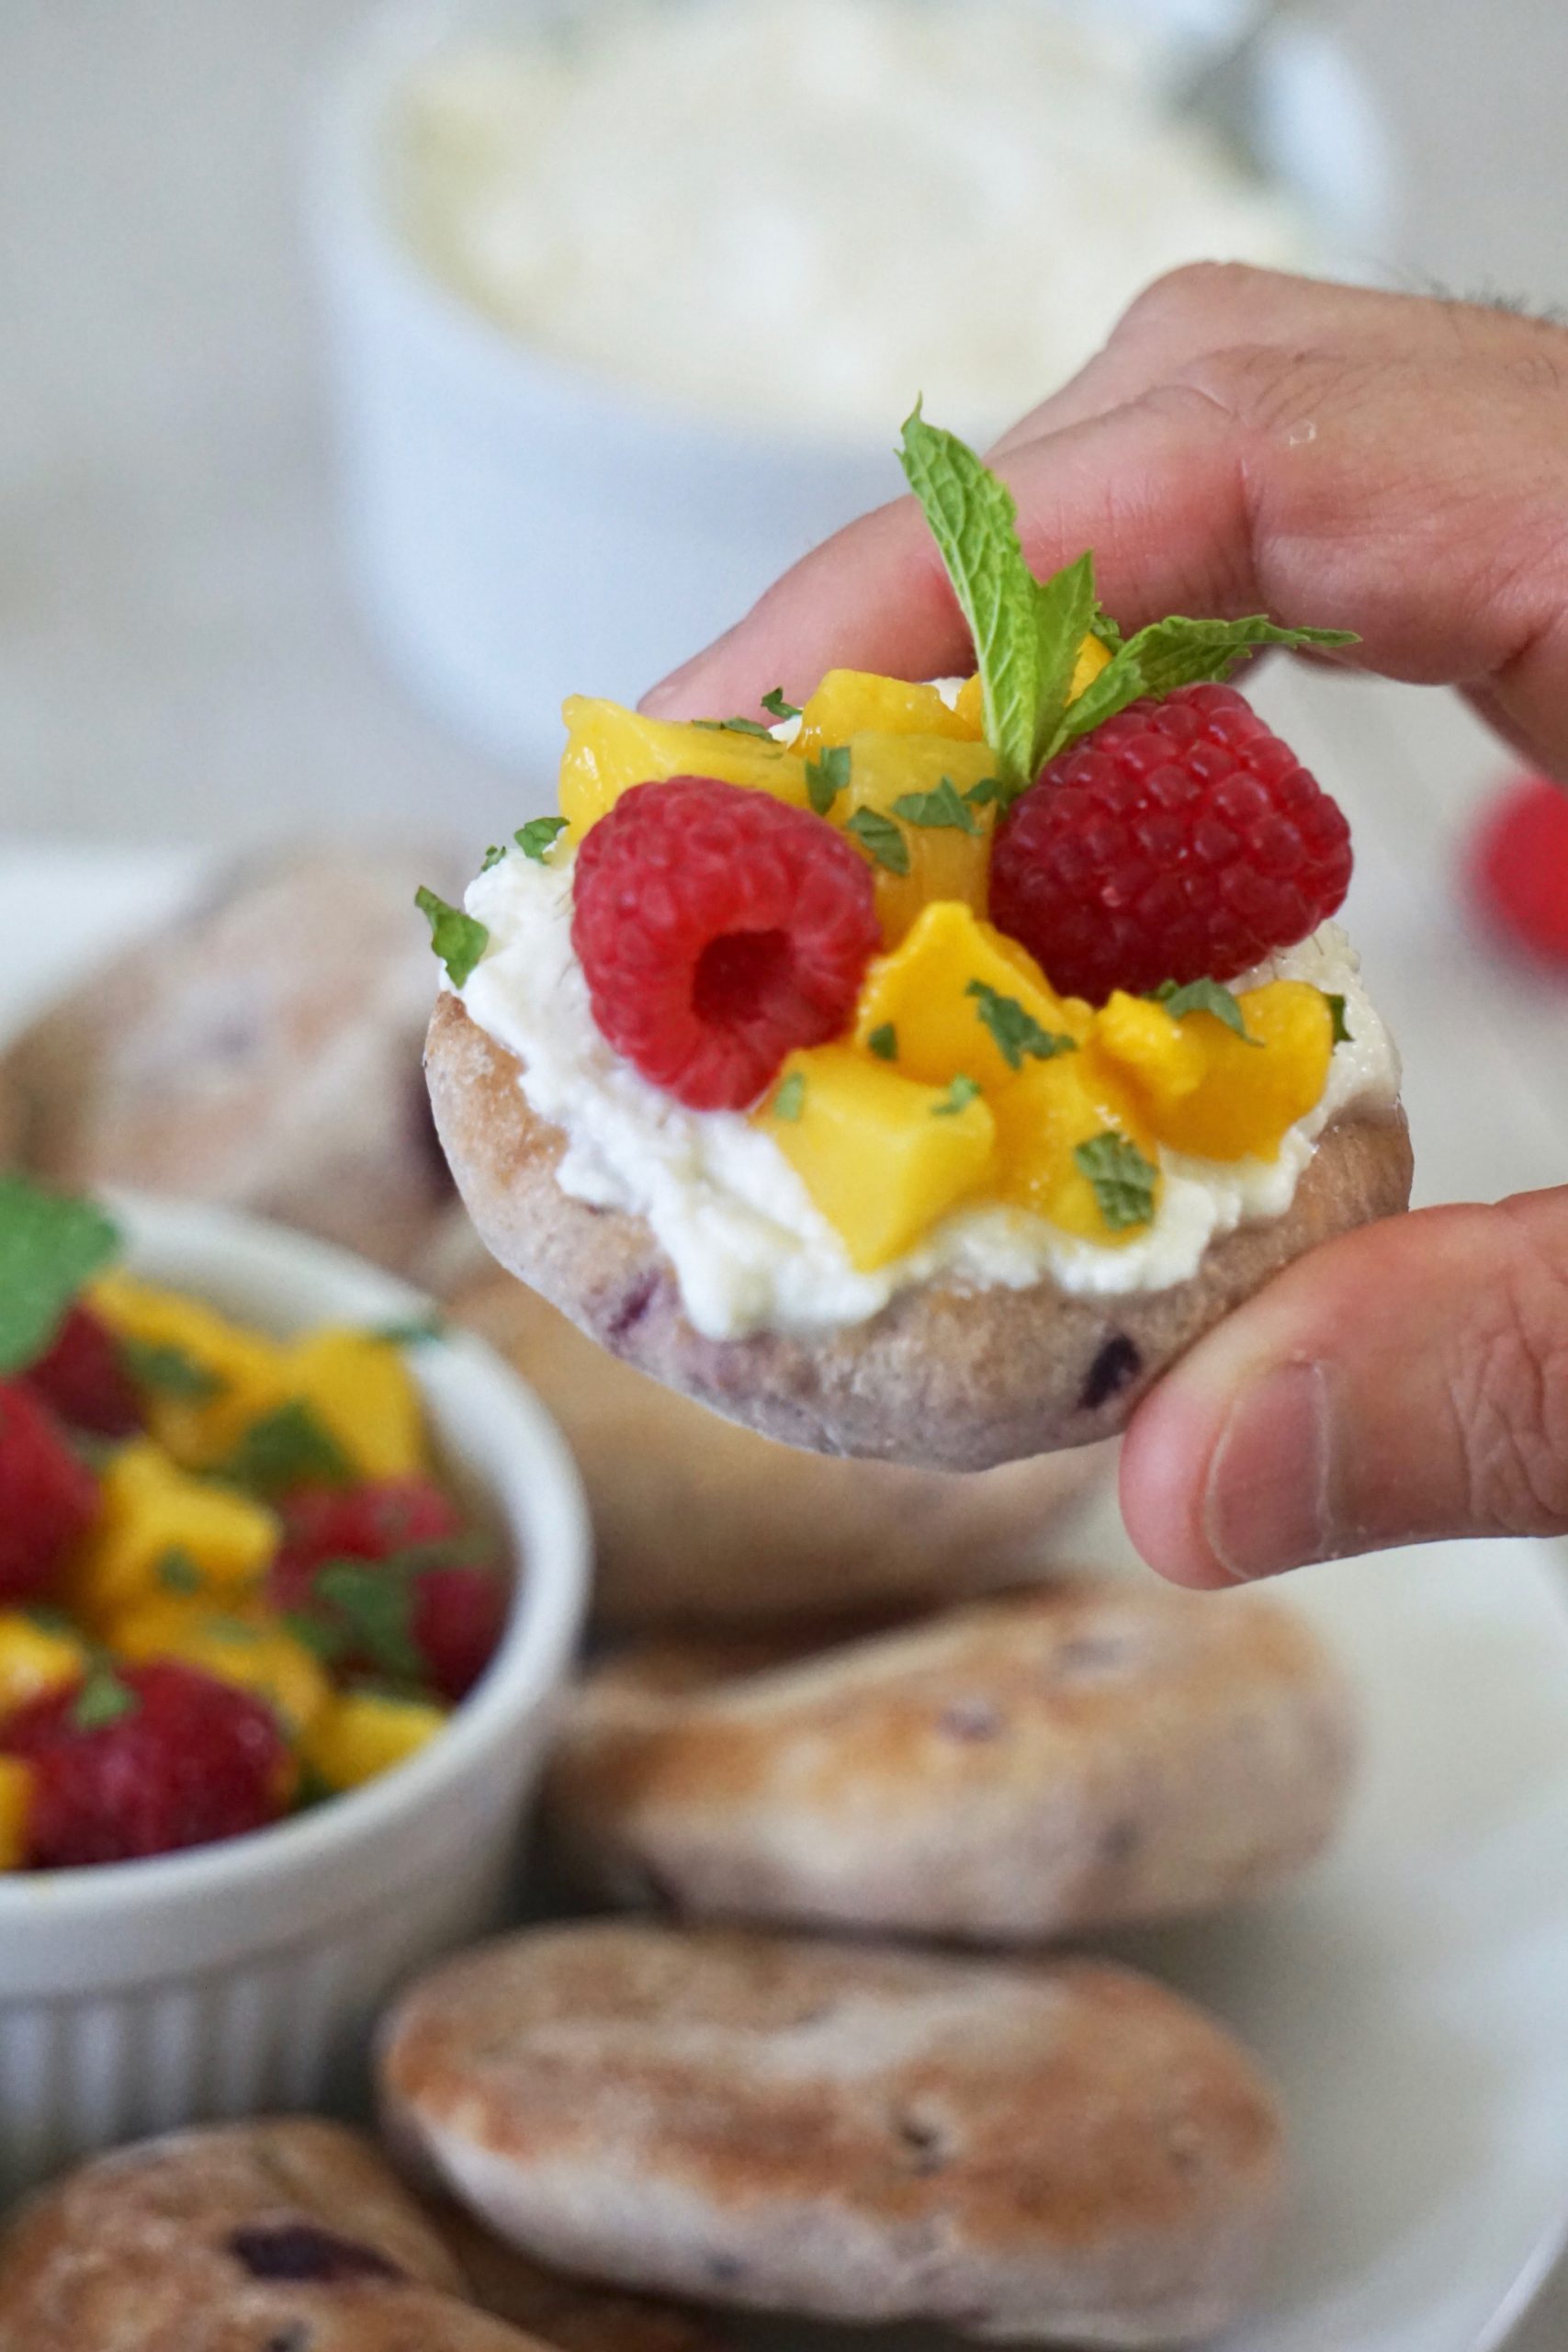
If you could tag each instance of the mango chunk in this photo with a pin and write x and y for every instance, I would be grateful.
(203, 1379)
(941, 860)
(366, 1733)
(16, 1803)
(962, 999)
(1166, 1059)
(362, 1392)
(610, 749)
(248, 1646)
(37, 1655)
(1245, 1095)
(882, 1157)
(1092, 659)
(1041, 1121)
(157, 1520)
(850, 701)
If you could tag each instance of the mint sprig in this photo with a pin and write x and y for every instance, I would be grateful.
(1204, 996)
(1123, 1179)
(455, 937)
(537, 837)
(1028, 633)
(51, 1246)
(1015, 1029)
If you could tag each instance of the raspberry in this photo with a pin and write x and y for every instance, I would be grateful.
(458, 1614)
(1519, 866)
(188, 1760)
(82, 1379)
(363, 1522)
(48, 1496)
(1181, 840)
(720, 929)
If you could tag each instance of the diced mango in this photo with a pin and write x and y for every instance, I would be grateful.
(936, 990)
(1165, 1059)
(882, 1157)
(609, 749)
(944, 861)
(363, 1393)
(1092, 659)
(366, 1733)
(154, 1513)
(36, 1654)
(215, 1379)
(16, 1803)
(1245, 1093)
(247, 1646)
(849, 701)
(1042, 1119)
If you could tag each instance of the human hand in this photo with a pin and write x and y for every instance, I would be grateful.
(1388, 464)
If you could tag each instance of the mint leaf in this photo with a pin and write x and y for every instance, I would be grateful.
(177, 1572)
(102, 1700)
(291, 1446)
(1016, 1031)
(536, 838)
(945, 806)
(790, 1099)
(1102, 627)
(961, 1092)
(50, 1246)
(373, 1604)
(775, 702)
(457, 938)
(1177, 652)
(988, 791)
(172, 1370)
(1123, 1179)
(884, 1042)
(1337, 1014)
(1204, 996)
(880, 836)
(492, 856)
(826, 777)
(733, 726)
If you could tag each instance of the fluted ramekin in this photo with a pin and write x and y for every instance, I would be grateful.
(245, 1975)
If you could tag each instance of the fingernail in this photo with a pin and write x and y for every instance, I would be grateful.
(1266, 1500)
(670, 693)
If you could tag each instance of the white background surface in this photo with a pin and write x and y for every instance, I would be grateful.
(177, 661)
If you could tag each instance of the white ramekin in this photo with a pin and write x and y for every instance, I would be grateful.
(518, 529)
(246, 1975)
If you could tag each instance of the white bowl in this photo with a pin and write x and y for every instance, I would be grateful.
(245, 1975)
(518, 529)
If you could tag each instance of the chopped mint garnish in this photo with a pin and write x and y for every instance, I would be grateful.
(457, 938)
(51, 1621)
(50, 1246)
(733, 726)
(777, 705)
(884, 1042)
(412, 1333)
(826, 777)
(945, 806)
(1204, 996)
(1028, 633)
(983, 794)
(177, 1572)
(102, 1700)
(1123, 1179)
(790, 1099)
(882, 837)
(1337, 1014)
(172, 1370)
(493, 856)
(536, 838)
(374, 1606)
(1016, 1031)
(291, 1446)
(960, 1094)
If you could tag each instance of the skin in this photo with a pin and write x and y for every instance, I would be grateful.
(1398, 466)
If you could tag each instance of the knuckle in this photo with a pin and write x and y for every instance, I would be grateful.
(1274, 389)
(1185, 296)
(1508, 1388)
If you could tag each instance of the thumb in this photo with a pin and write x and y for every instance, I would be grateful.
(1406, 1382)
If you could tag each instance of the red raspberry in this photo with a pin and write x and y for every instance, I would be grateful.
(48, 1495)
(1519, 864)
(1181, 840)
(720, 929)
(82, 1379)
(363, 1522)
(189, 1760)
(458, 1614)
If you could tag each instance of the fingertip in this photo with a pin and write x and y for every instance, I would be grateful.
(1164, 1466)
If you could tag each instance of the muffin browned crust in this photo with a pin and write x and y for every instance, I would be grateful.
(951, 1378)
